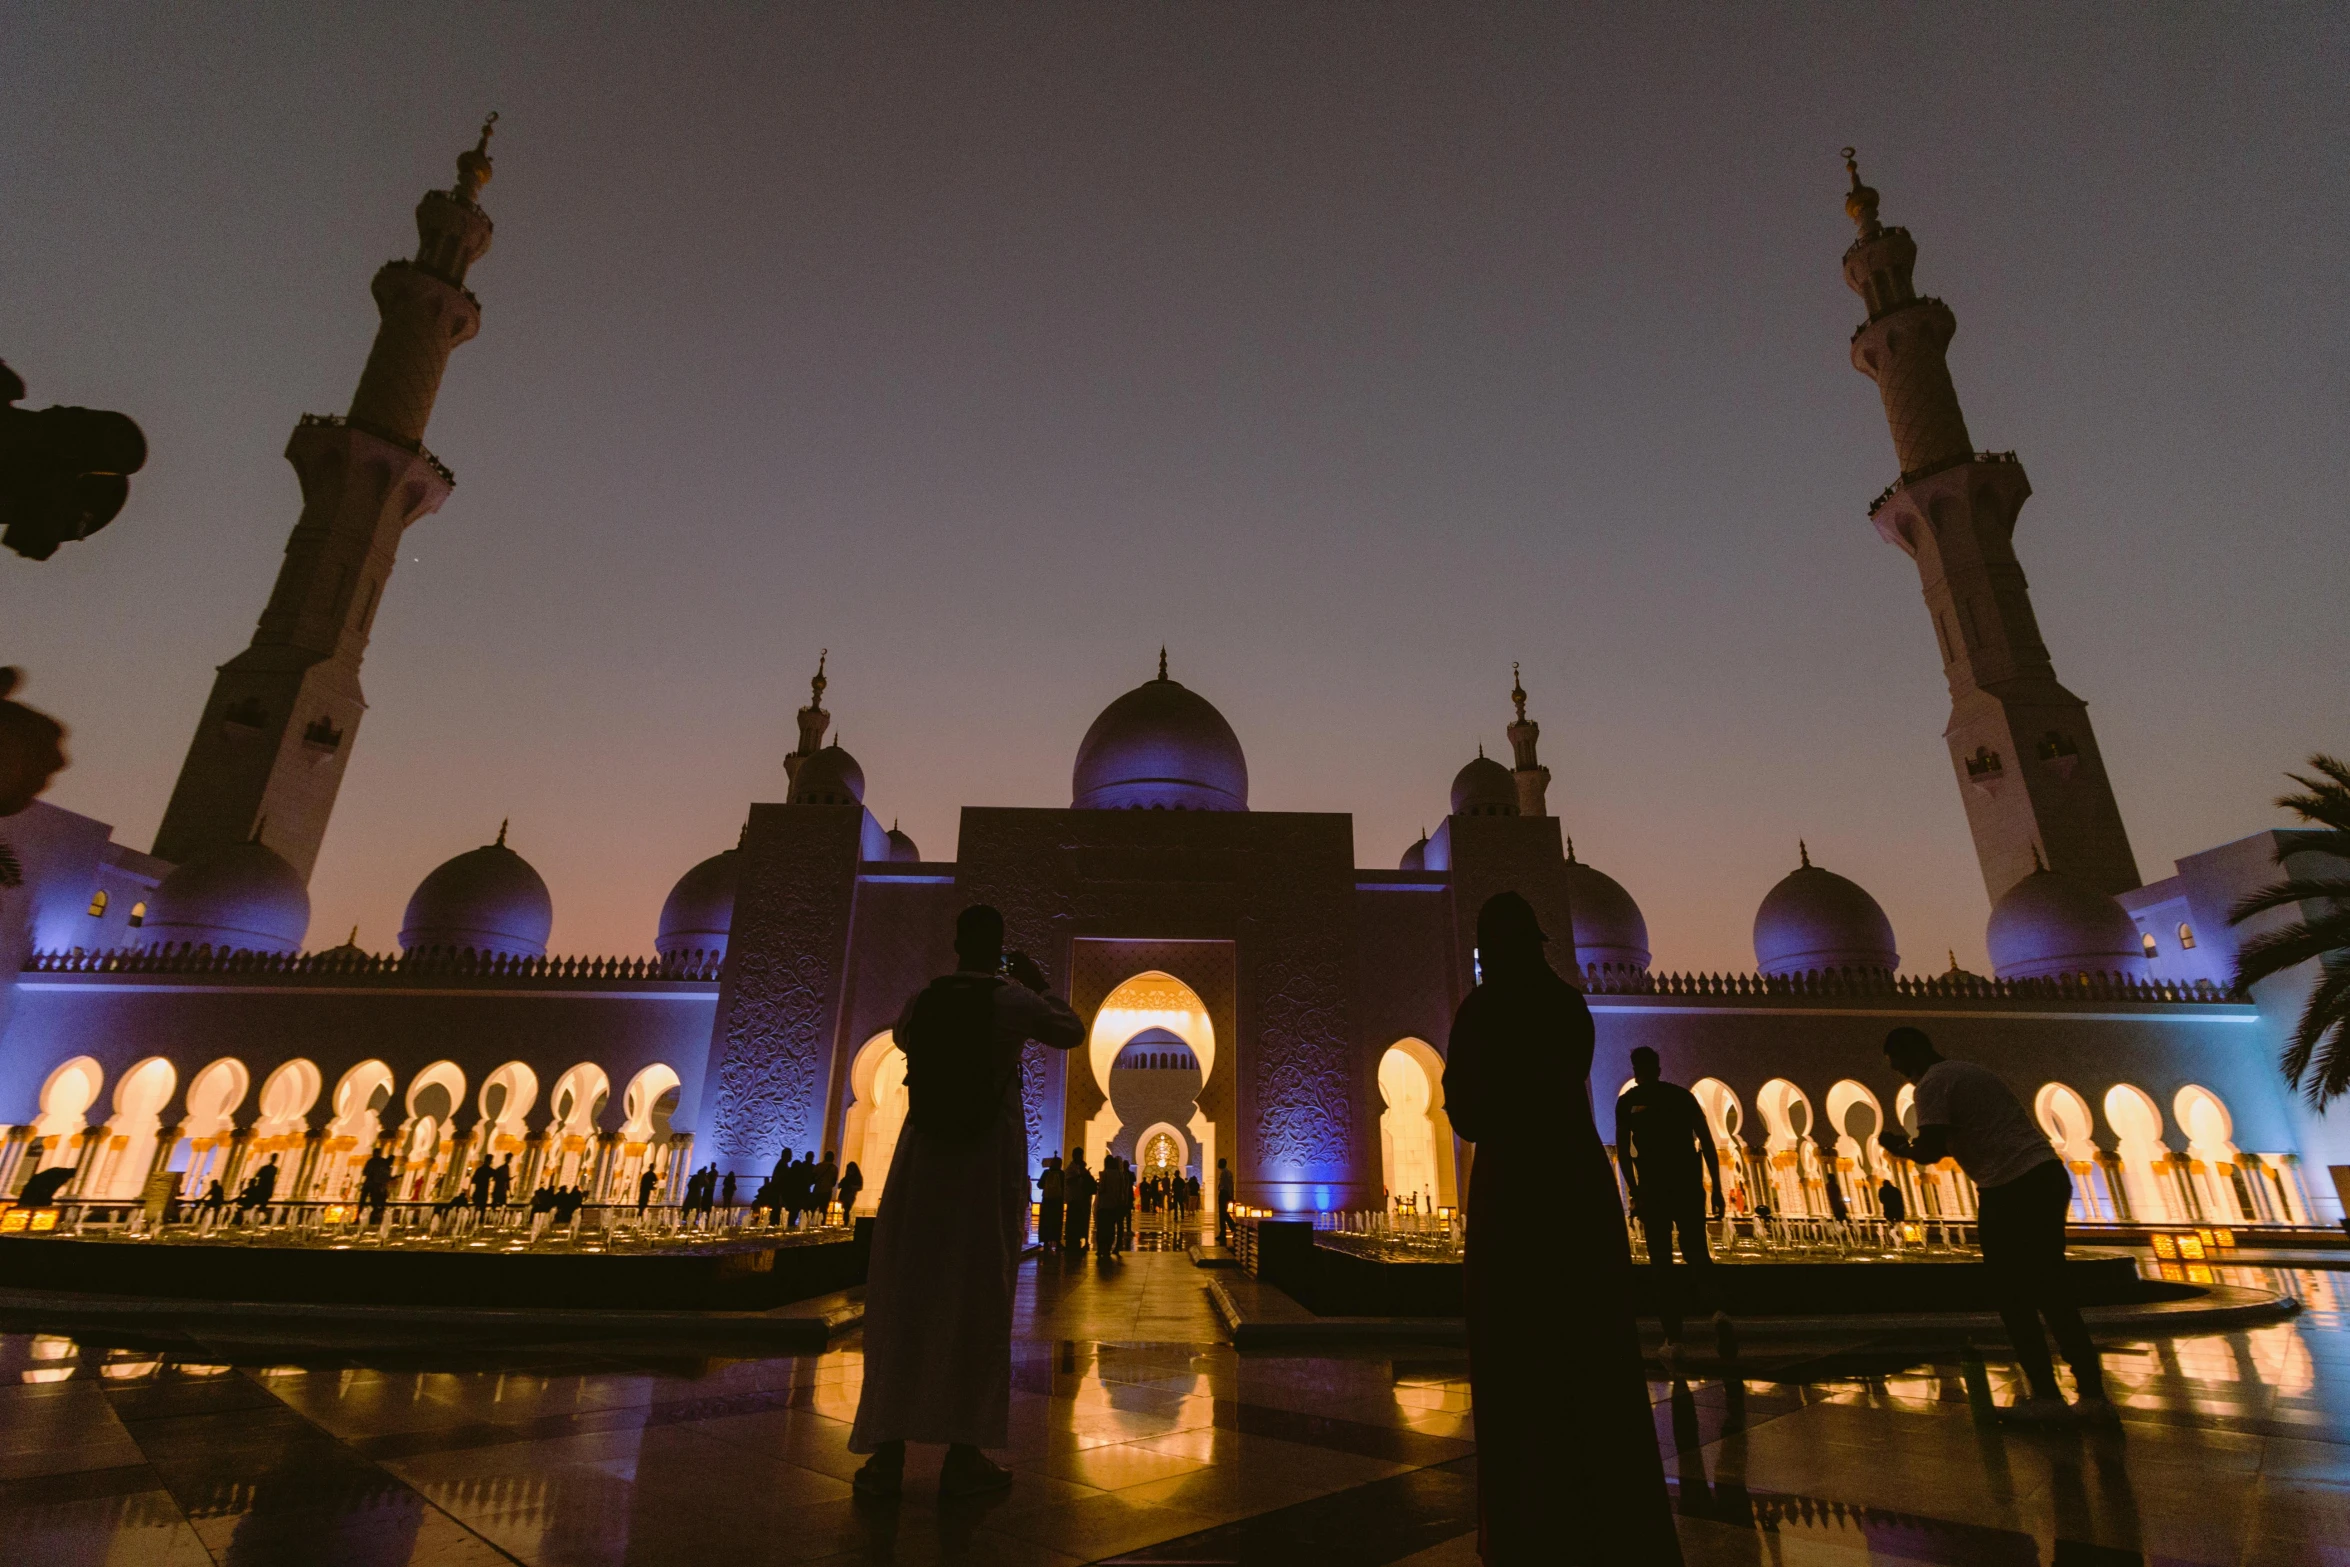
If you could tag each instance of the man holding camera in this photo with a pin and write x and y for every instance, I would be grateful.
(954, 1217)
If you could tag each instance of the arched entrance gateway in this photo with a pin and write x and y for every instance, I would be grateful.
(1152, 1050)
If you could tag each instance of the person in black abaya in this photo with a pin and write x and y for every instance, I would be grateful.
(1567, 1465)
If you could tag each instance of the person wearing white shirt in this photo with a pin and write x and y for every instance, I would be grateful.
(1965, 1112)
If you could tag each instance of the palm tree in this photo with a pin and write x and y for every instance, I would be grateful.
(2320, 1051)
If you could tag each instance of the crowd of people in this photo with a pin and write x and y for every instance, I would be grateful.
(1077, 1210)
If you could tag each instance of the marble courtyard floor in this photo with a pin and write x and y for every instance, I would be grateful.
(1139, 1437)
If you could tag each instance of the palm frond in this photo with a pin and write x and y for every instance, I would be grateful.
(2320, 1052)
(2327, 801)
(2335, 845)
(2278, 950)
(2276, 895)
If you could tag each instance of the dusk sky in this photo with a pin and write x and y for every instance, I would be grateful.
(1351, 351)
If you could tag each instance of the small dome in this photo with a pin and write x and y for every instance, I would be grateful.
(2050, 923)
(242, 898)
(1484, 788)
(1610, 930)
(1415, 858)
(1161, 746)
(700, 909)
(486, 901)
(901, 847)
(1816, 919)
(830, 777)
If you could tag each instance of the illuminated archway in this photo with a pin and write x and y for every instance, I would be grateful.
(286, 1097)
(2145, 1159)
(2213, 1164)
(1787, 1125)
(645, 1108)
(210, 1120)
(431, 1101)
(507, 1098)
(1724, 1115)
(1415, 1135)
(575, 1114)
(1150, 1000)
(2065, 1118)
(1856, 1118)
(139, 1097)
(360, 1099)
(877, 1114)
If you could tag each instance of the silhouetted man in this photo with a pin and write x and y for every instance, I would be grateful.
(258, 1190)
(1663, 1143)
(1965, 1112)
(1049, 1193)
(954, 1217)
(1077, 1187)
(483, 1178)
(1890, 1202)
(827, 1178)
(1223, 1204)
(644, 1188)
(502, 1182)
(375, 1185)
(852, 1182)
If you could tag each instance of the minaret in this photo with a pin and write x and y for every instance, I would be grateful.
(1533, 779)
(2021, 748)
(284, 714)
(814, 720)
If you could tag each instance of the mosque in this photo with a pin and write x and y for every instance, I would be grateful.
(1254, 995)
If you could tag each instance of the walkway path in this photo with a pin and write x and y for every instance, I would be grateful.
(1139, 1438)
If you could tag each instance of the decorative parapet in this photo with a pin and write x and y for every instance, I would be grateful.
(340, 422)
(345, 963)
(1620, 980)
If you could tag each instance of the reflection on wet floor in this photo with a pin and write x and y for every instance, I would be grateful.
(1139, 1437)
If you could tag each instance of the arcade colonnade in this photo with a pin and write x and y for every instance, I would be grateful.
(435, 1127)
(2133, 1159)
(2139, 1170)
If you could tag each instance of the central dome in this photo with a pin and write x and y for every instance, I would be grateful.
(1816, 920)
(240, 898)
(1160, 747)
(487, 901)
(2050, 925)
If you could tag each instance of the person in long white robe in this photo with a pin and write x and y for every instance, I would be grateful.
(946, 1250)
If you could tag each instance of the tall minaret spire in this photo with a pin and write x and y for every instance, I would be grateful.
(2021, 748)
(284, 714)
(1533, 779)
(813, 720)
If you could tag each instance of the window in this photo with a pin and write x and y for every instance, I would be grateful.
(2187, 936)
(138, 915)
(2148, 942)
(98, 904)
(1983, 764)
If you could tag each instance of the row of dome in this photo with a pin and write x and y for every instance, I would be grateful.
(1814, 920)
(1161, 746)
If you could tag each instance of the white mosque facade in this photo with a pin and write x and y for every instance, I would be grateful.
(1254, 995)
